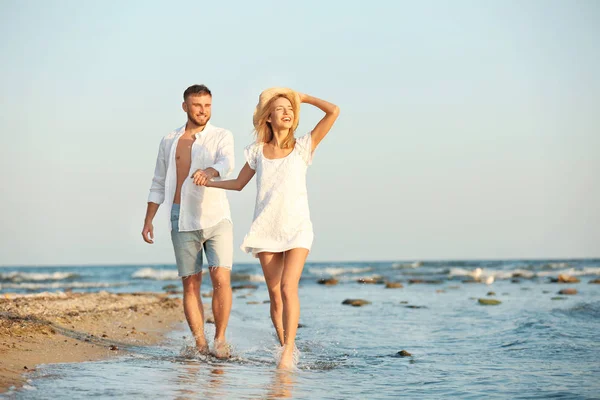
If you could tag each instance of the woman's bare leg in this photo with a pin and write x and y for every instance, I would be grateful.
(272, 266)
(292, 270)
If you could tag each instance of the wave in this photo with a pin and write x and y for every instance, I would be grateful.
(36, 276)
(571, 271)
(236, 277)
(479, 273)
(334, 271)
(58, 285)
(415, 264)
(156, 274)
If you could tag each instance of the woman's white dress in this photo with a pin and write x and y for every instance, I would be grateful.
(281, 215)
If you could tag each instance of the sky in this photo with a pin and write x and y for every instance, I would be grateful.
(468, 129)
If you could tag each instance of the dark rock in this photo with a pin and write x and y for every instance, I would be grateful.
(559, 298)
(25, 367)
(413, 306)
(328, 281)
(595, 281)
(515, 280)
(370, 281)
(489, 302)
(568, 291)
(404, 302)
(246, 286)
(114, 348)
(394, 285)
(356, 302)
(266, 301)
(403, 353)
(430, 282)
(301, 326)
(210, 319)
(491, 293)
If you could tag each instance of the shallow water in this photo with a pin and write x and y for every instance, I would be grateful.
(530, 346)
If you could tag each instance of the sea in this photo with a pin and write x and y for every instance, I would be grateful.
(430, 339)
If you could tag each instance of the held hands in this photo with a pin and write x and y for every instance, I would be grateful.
(201, 177)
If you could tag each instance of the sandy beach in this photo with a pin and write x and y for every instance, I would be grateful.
(72, 327)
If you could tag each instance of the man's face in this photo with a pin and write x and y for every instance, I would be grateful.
(197, 108)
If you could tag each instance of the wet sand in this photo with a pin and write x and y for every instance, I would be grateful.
(72, 327)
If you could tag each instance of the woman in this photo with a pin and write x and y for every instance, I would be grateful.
(281, 233)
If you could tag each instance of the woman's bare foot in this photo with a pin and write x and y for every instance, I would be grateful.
(221, 349)
(287, 361)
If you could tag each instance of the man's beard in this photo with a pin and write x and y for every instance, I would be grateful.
(197, 121)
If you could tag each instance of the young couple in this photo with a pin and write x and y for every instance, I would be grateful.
(191, 164)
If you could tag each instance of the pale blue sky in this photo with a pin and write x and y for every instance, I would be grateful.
(469, 129)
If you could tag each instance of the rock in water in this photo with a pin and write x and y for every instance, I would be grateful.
(558, 298)
(489, 302)
(491, 293)
(371, 281)
(356, 302)
(404, 353)
(596, 281)
(569, 291)
(393, 285)
(328, 281)
(564, 278)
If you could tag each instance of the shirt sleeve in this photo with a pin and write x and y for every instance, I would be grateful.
(157, 189)
(225, 156)
(251, 154)
(304, 147)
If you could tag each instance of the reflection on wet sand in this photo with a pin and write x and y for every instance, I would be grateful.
(282, 385)
(194, 382)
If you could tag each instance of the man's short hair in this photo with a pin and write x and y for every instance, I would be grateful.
(196, 89)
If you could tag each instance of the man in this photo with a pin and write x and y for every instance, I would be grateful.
(200, 216)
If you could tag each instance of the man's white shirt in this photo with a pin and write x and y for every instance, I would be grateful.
(201, 207)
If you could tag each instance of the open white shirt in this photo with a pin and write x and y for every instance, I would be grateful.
(201, 207)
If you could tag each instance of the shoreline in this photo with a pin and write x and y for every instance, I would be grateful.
(60, 327)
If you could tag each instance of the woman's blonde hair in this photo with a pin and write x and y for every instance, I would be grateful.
(263, 128)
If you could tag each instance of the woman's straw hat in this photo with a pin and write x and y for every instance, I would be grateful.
(268, 94)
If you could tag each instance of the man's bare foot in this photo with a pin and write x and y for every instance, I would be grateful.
(221, 349)
(287, 361)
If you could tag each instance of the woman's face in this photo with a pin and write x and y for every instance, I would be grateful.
(282, 114)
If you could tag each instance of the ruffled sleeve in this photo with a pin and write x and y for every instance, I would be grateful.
(304, 147)
(251, 154)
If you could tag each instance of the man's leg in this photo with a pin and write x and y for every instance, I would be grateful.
(221, 307)
(219, 254)
(188, 254)
(193, 309)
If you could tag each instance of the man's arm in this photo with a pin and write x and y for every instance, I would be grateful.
(157, 193)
